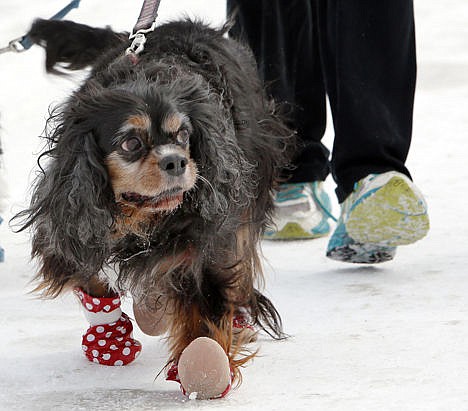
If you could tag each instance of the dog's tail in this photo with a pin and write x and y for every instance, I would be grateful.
(71, 45)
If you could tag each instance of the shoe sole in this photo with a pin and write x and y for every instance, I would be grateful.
(394, 215)
(293, 231)
(361, 254)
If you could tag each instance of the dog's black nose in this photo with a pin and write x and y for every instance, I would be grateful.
(173, 164)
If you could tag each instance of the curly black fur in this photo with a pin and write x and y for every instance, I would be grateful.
(238, 143)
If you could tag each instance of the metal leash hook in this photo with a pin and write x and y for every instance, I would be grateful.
(14, 45)
(138, 44)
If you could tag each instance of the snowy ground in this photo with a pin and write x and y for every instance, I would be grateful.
(389, 337)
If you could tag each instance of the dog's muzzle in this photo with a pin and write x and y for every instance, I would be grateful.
(173, 164)
(167, 200)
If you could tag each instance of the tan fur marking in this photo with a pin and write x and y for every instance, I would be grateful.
(172, 122)
(143, 177)
(141, 121)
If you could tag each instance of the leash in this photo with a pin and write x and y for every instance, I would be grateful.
(146, 23)
(24, 43)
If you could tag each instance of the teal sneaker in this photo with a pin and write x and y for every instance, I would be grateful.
(383, 211)
(342, 247)
(302, 211)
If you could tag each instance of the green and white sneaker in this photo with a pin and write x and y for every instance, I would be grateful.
(383, 211)
(342, 247)
(302, 211)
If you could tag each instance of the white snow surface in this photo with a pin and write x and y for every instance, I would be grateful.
(389, 337)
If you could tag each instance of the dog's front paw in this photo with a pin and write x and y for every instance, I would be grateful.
(111, 344)
(108, 341)
(203, 370)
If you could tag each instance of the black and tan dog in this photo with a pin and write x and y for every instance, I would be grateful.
(158, 180)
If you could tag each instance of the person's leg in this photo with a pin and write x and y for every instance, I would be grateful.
(283, 38)
(284, 42)
(368, 56)
(369, 61)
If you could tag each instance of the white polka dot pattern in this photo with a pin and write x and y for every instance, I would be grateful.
(95, 305)
(108, 344)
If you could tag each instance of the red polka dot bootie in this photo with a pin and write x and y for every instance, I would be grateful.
(108, 341)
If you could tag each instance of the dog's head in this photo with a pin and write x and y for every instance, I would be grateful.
(126, 157)
(144, 143)
(148, 159)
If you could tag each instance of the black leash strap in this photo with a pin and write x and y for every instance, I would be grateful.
(148, 15)
(24, 43)
(146, 22)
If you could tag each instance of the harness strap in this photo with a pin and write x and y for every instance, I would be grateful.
(147, 17)
(146, 22)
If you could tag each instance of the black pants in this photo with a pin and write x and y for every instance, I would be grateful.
(361, 53)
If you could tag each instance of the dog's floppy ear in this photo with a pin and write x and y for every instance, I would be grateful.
(70, 211)
(226, 183)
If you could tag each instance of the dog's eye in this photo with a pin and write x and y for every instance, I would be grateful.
(131, 144)
(183, 136)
